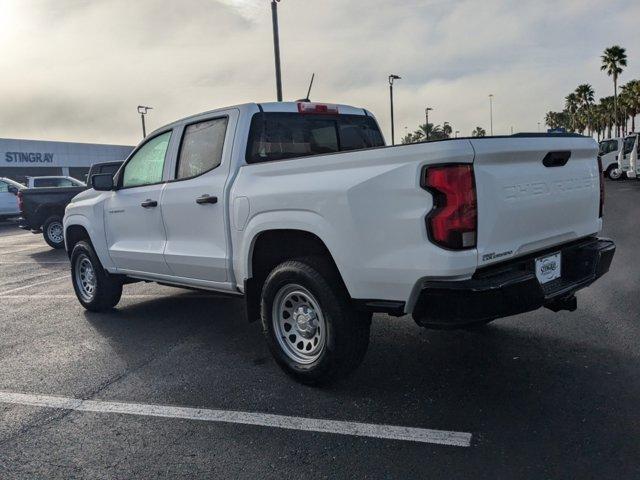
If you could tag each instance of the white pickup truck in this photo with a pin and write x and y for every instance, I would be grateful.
(301, 209)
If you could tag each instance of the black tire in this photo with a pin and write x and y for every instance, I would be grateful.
(346, 336)
(610, 170)
(52, 232)
(107, 290)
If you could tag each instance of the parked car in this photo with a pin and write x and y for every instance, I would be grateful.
(42, 208)
(9, 198)
(627, 159)
(53, 181)
(608, 151)
(300, 209)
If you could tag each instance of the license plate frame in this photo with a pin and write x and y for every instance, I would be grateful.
(549, 267)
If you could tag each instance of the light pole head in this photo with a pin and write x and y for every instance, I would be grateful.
(393, 77)
(428, 109)
(142, 109)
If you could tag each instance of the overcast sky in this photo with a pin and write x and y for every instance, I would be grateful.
(75, 70)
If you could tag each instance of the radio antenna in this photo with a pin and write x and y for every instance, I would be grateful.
(310, 85)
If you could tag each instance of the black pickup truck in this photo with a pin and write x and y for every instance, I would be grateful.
(42, 209)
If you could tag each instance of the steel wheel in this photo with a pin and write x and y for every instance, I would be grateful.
(299, 324)
(615, 174)
(55, 232)
(86, 279)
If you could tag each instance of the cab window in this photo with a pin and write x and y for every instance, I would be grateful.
(147, 164)
(4, 187)
(201, 148)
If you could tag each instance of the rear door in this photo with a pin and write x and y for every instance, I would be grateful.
(534, 193)
(194, 204)
(133, 219)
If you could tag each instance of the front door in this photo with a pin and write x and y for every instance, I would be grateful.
(133, 216)
(193, 205)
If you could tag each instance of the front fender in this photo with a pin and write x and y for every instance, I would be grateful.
(96, 235)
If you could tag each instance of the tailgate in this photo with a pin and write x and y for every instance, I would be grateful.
(527, 204)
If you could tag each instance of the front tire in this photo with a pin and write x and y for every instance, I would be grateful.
(312, 330)
(614, 173)
(53, 232)
(96, 290)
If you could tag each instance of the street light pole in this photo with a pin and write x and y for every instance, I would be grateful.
(276, 47)
(392, 77)
(491, 112)
(142, 110)
(426, 112)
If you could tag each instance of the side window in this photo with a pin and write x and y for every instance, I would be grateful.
(4, 187)
(145, 167)
(201, 148)
(613, 146)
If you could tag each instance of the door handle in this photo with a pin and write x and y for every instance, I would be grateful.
(148, 203)
(206, 199)
(556, 159)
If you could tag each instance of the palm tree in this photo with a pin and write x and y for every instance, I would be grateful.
(607, 107)
(479, 132)
(571, 105)
(631, 94)
(556, 119)
(585, 94)
(613, 59)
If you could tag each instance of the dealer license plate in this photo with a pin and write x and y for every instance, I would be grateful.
(548, 267)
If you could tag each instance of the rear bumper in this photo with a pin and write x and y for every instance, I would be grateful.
(25, 225)
(512, 287)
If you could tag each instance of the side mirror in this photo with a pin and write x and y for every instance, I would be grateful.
(102, 182)
(13, 189)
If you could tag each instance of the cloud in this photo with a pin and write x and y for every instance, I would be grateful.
(76, 70)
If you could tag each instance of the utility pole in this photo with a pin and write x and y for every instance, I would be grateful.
(457, 132)
(491, 112)
(426, 112)
(142, 110)
(392, 77)
(276, 47)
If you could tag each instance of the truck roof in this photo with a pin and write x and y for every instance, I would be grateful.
(291, 107)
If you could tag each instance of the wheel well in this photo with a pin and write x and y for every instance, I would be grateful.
(75, 234)
(273, 247)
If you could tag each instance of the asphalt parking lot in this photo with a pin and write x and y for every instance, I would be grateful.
(539, 395)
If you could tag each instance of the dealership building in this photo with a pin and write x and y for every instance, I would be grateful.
(31, 158)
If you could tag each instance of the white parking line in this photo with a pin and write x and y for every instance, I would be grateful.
(357, 429)
(36, 263)
(54, 296)
(17, 289)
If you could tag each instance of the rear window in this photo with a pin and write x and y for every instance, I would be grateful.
(53, 182)
(279, 135)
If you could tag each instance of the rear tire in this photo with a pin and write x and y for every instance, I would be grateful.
(313, 332)
(53, 232)
(96, 290)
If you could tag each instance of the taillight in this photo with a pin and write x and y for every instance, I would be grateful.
(317, 108)
(20, 202)
(601, 176)
(453, 221)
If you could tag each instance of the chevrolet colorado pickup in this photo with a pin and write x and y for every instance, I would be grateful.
(301, 209)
